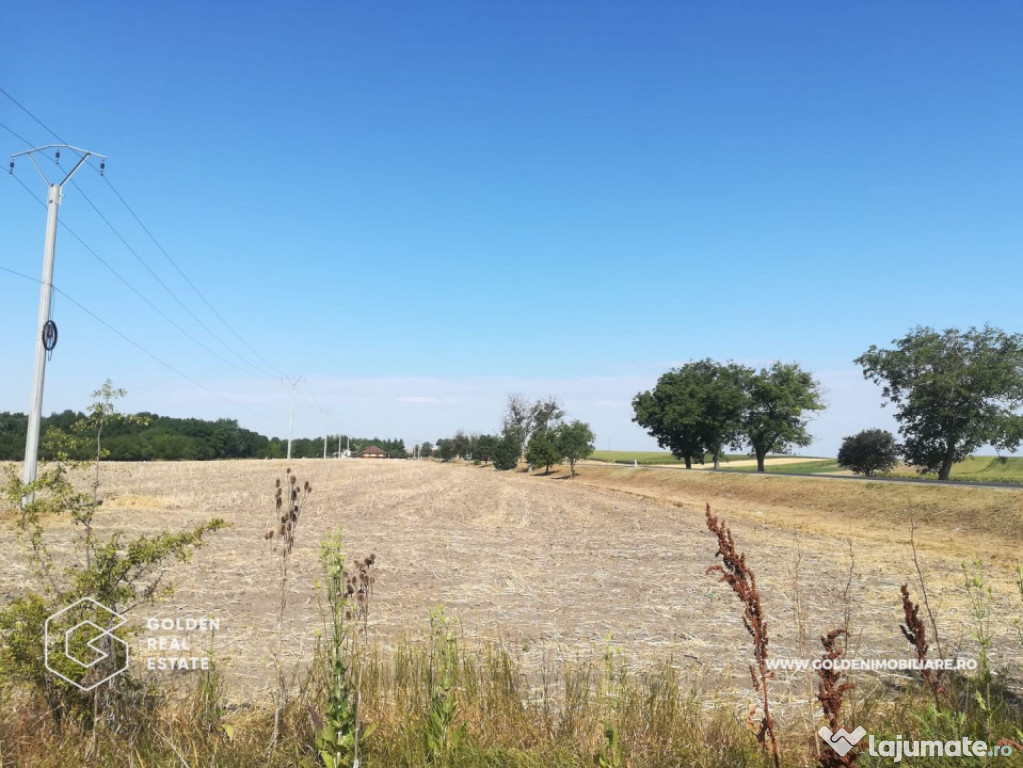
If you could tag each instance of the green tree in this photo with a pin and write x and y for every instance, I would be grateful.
(485, 445)
(543, 450)
(523, 418)
(506, 453)
(517, 424)
(461, 444)
(869, 451)
(773, 416)
(671, 411)
(954, 391)
(575, 441)
(547, 414)
(426, 449)
(446, 449)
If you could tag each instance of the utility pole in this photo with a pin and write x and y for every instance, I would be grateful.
(324, 445)
(339, 446)
(294, 381)
(46, 332)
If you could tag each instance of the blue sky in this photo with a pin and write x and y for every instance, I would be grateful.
(423, 207)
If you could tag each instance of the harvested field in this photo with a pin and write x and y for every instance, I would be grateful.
(555, 567)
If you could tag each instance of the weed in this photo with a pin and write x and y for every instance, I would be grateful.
(916, 633)
(743, 581)
(289, 497)
(832, 688)
(442, 737)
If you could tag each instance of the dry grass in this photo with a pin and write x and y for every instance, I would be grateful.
(965, 522)
(554, 567)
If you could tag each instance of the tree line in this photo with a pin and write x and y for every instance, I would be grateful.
(953, 392)
(532, 430)
(151, 437)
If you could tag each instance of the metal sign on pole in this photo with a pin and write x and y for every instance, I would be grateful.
(46, 329)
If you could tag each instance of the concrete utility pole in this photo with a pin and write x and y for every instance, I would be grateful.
(46, 333)
(294, 381)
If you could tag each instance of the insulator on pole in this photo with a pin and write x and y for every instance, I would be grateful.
(56, 158)
(102, 166)
(11, 169)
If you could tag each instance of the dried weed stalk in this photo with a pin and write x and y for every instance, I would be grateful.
(831, 689)
(288, 500)
(916, 633)
(743, 581)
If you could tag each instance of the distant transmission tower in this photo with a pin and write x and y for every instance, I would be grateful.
(294, 381)
(46, 331)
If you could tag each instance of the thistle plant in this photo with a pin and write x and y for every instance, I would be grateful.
(981, 599)
(348, 591)
(289, 497)
(442, 737)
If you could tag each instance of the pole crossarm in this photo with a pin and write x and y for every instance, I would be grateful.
(84, 154)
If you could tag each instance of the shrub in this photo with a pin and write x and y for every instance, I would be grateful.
(506, 453)
(870, 451)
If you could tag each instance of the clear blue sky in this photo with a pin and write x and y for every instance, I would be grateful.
(421, 207)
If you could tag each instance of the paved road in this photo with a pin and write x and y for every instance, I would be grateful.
(854, 478)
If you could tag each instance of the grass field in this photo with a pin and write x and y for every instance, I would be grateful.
(988, 469)
(655, 457)
(550, 578)
(808, 467)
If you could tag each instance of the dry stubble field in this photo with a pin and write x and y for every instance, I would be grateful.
(554, 567)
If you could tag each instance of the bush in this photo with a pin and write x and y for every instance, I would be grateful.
(870, 451)
(506, 453)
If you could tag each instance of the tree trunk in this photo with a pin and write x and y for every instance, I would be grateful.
(761, 455)
(946, 464)
(689, 462)
(717, 459)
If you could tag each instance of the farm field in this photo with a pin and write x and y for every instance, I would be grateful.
(654, 457)
(564, 569)
(978, 469)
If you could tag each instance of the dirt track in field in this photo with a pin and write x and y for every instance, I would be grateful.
(551, 566)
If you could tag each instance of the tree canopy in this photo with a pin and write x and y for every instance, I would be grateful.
(704, 406)
(575, 442)
(953, 392)
(773, 416)
(543, 450)
(869, 451)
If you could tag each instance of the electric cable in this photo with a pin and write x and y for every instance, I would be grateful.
(135, 344)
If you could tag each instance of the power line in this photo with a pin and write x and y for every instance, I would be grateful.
(186, 278)
(16, 135)
(135, 344)
(156, 277)
(25, 109)
(131, 287)
(152, 237)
